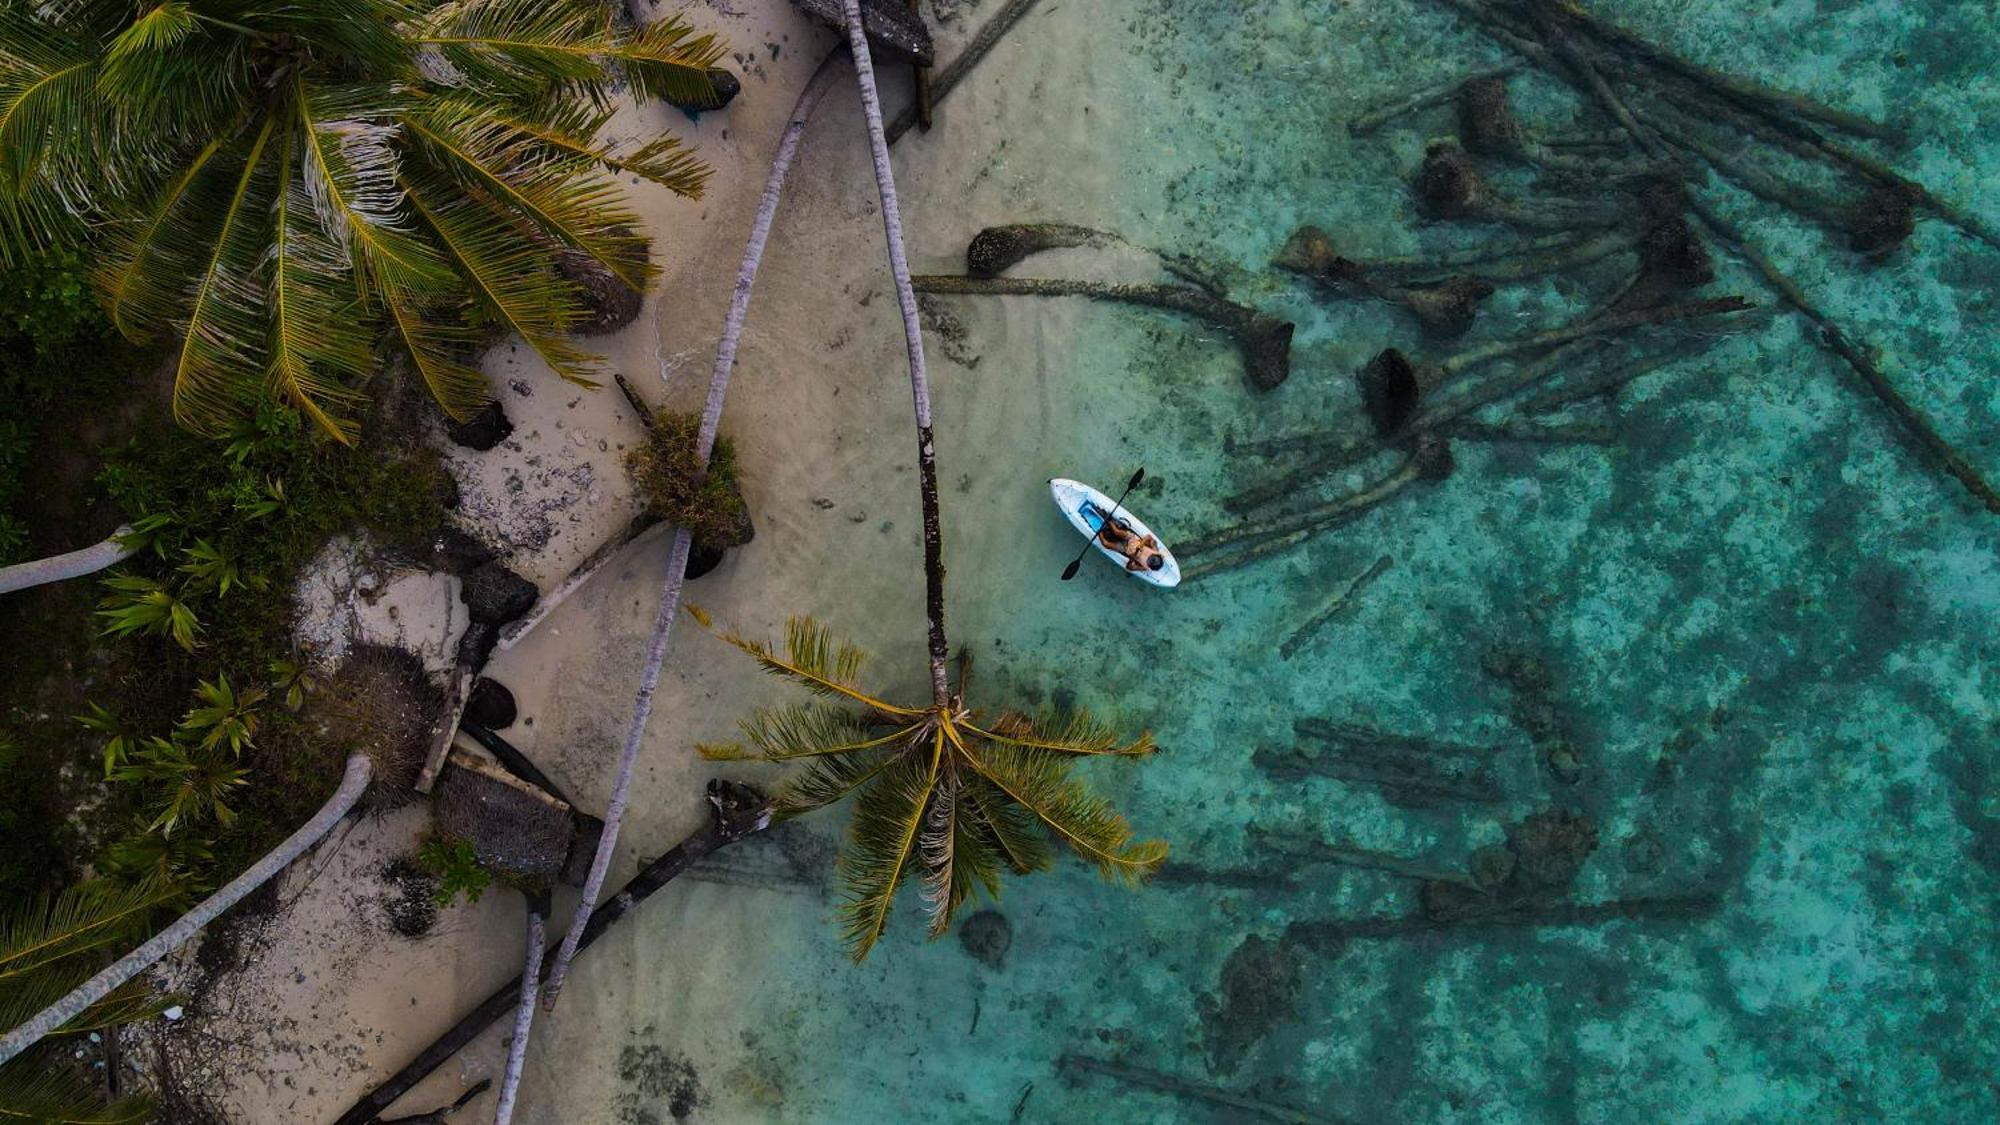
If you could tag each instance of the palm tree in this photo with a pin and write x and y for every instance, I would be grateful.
(71, 1003)
(913, 337)
(46, 949)
(677, 556)
(281, 183)
(114, 549)
(944, 792)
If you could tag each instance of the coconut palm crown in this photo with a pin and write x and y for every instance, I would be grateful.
(282, 188)
(944, 793)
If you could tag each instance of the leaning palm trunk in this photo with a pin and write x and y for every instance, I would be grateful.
(36, 572)
(173, 937)
(670, 597)
(524, 1013)
(920, 387)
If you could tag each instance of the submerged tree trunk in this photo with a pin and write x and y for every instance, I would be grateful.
(352, 785)
(913, 336)
(74, 564)
(670, 595)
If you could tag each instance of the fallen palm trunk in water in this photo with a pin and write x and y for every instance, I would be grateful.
(1202, 1093)
(1265, 342)
(1256, 539)
(735, 812)
(994, 250)
(1683, 99)
(1334, 934)
(1334, 608)
(1329, 452)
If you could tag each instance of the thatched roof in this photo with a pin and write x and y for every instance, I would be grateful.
(514, 828)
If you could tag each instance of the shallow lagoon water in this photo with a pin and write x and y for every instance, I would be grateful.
(1763, 624)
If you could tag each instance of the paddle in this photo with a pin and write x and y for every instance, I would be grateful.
(1069, 571)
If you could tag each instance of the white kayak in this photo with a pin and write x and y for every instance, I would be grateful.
(1086, 508)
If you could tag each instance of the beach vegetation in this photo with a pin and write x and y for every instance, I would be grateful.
(945, 795)
(680, 489)
(457, 868)
(276, 192)
(48, 945)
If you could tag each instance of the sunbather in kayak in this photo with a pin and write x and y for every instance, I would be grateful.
(1140, 553)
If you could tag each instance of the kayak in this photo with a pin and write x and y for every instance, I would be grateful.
(1086, 508)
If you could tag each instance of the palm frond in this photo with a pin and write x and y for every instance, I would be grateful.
(570, 127)
(224, 336)
(316, 339)
(365, 35)
(63, 1095)
(579, 207)
(802, 730)
(1077, 732)
(813, 658)
(666, 59)
(146, 255)
(168, 72)
(80, 920)
(825, 781)
(1041, 782)
(1016, 835)
(957, 856)
(352, 171)
(437, 347)
(882, 843)
(509, 44)
(46, 75)
(510, 274)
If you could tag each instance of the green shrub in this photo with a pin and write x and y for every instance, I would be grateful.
(457, 869)
(710, 506)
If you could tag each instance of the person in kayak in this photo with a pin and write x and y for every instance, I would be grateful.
(1141, 553)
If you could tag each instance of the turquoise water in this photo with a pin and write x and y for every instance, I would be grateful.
(1759, 622)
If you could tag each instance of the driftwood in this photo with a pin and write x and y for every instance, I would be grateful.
(1409, 770)
(1878, 225)
(1533, 433)
(1312, 253)
(1331, 935)
(515, 762)
(736, 811)
(1430, 461)
(437, 1116)
(1423, 99)
(1448, 186)
(947, 77)
(1393, 387)
(641, 529)
(1265, 342)
(1333, 608)
(1241, 1106)
(920, 78)
(1914, 421)
(1296, 847)
(1610, 379)
(1743, 103)
(1488, 125)
(1333, 456)
(994, 250)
